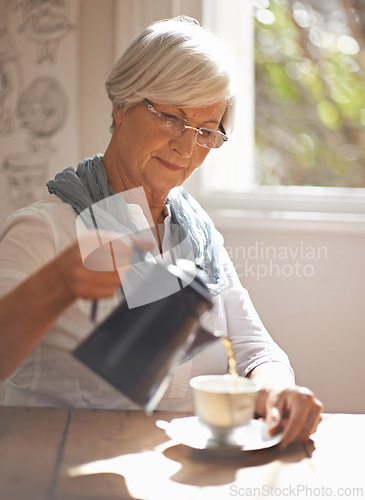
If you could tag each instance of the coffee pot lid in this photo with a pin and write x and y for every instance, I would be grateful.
(191, 275)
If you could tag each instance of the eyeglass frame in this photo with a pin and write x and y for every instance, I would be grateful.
(221, 132)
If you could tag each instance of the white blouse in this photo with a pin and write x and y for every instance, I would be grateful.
(52, 376)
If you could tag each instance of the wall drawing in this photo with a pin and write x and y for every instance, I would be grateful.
(26, 176)
(33, 104)
(6, 118)
(45, 24)
(8, 56)
(42, 110)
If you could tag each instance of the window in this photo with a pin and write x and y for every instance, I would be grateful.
(299, 139)
(310, 93)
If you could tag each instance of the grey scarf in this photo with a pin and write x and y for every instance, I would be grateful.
(89, 185)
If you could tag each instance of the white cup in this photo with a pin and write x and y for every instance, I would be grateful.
(224, 402)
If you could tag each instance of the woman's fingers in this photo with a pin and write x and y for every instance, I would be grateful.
(295, 411)
(93, 267)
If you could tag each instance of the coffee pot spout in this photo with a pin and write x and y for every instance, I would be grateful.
(199, 338)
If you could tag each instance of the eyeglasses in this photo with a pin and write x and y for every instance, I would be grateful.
(176, 126)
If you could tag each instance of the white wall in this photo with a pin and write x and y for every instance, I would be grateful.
(319, 320)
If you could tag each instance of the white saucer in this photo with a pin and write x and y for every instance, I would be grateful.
(191, 432)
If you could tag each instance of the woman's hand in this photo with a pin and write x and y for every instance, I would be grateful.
(286, 407)
(96, 272)
(295, 411)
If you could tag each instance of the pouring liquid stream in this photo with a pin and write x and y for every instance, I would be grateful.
(232, 363)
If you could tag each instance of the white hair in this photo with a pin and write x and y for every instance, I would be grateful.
(175, 62)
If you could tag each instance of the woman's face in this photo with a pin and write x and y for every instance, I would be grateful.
(145, 155)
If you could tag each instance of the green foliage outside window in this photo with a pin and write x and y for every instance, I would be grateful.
(310, 92)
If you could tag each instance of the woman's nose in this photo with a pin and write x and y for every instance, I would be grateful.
(184, 144)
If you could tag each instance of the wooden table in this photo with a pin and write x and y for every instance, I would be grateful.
(63, 454)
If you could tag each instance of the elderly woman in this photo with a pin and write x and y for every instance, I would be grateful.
(173, 96)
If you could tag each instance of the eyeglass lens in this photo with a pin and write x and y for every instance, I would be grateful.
(203, 136)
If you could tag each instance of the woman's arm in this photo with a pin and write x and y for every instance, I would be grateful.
(30, 309)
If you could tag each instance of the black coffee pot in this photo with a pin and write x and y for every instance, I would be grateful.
(136, 349)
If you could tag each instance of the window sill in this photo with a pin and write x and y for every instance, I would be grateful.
(239, 219)
(290, 198)
(283, 207)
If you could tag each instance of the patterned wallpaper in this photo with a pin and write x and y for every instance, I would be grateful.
(38, 96)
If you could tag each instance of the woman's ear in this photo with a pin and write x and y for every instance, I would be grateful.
(117, 114)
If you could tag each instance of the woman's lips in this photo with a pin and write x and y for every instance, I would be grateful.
(170, 166)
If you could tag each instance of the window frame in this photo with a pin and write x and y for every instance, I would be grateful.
(255, 202)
